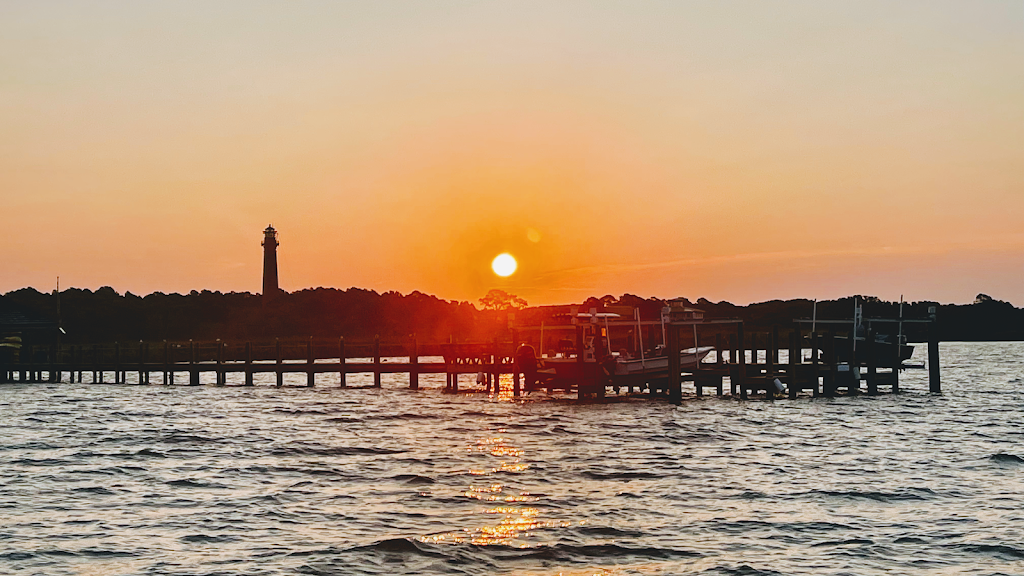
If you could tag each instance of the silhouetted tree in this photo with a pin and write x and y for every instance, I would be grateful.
(500, 300)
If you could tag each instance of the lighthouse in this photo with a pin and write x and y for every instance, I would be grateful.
(270, 244)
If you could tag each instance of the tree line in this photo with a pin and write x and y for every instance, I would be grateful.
(105, 315)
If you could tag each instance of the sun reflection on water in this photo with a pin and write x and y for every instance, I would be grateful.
(516, 522)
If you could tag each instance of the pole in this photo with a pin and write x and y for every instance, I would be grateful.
(934, 381)
(675, 384)
(414, 365)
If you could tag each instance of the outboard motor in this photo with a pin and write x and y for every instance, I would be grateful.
(526, 357)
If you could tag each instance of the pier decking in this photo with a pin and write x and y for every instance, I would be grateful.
(744, 364)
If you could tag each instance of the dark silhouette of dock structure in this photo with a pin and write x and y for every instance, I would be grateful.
(750, 361)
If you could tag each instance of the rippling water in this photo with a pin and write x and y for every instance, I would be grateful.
(105, 479)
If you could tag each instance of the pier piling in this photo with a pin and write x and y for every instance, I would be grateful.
(376, 361)
(342, 375)
(280, 361)
(248, 364)
(414, 365)
(310, 375)
(870, 350)
(934, 381)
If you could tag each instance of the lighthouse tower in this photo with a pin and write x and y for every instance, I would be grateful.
(270, 244)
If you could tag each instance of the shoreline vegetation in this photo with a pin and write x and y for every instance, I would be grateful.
(105, 315)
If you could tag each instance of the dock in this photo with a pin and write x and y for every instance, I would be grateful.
(745, 364)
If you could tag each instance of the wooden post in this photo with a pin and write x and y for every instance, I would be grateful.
(248, 364)
(52, 365)
(719, 351)
(310, 375)
(775, 345)
(453, 373)
(414, 365)
(515, 363)
(30, 360)
(70, 364)
(279, 366)
(143, 374)
(220, 363)
(496, 367)
(742, 355)
(830, 360)
(167, 368)
(342, 373)
(732, 365)
(794, 360)
(25, 358)
(675, 384)
(117, 363)
(896, 371)
(871, 350)
(376, 361)
(815, 363)
(193, 370)
(580, 386)
(934, 381)
(97, 374)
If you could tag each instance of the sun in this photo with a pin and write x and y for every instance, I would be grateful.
(504, 264)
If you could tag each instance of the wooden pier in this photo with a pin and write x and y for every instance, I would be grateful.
(744, 363)
(185, 362)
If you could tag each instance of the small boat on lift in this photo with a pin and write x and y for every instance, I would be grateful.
(889, 349)
(620, 369)
(657, 364)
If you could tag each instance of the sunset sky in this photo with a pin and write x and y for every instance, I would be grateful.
(742, 151)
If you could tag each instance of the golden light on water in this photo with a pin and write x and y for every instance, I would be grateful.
(516, 520)
(504, 264)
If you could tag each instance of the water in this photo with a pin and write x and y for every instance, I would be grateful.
(104, 479)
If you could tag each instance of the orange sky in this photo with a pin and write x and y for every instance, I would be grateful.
(731, 150)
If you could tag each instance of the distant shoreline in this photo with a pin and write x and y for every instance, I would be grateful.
(107, 316)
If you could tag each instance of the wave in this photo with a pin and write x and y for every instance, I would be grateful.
(847, 542)
(301, 411)
(1000, 550)
(176, 438)
(502, 553)
(586, 552)
(294, 450)
(1003, 458)
(207, 539)
(741, 570)
(877, 496)
(20, 555)
(415, 479)
(193, 483)
(40, 462)
(621, 475)
(95, 490)
(609, 531)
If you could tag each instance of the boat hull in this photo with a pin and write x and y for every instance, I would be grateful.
(885, 352)
(565, 372)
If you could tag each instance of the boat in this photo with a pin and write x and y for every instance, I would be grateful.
(658, 365)
(618, 369)
(887, 353)
(889, 350)
(598, 362)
